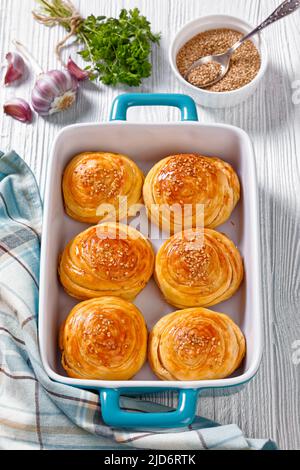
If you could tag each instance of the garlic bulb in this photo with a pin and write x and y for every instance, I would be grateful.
(15, 69)
(18, 109)
(53, 92)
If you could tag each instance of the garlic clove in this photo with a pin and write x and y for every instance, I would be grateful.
(15, 69)
(76, 71)
(46, 87)
(40, 105)
(18, 109)
(63, 80)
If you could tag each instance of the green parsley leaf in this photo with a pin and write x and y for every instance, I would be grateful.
(118, 49)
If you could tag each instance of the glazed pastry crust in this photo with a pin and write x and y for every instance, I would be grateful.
(198, 268)
(95, 178)
(103, 339)
(108, 259)
(195, 344)
(209, 185)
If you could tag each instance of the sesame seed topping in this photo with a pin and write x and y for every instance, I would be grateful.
(196, 261)
(184, 178)
(113, 257)
(98, 181)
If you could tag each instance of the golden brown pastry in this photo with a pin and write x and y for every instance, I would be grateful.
(103, 339)
(198, 268)
(92, 179)
(201, 185)
(195, 344)
(108, 259)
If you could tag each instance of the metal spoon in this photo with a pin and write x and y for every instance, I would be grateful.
(223, 60)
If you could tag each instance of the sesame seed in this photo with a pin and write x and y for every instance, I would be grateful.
(97, 181)
(196, 261)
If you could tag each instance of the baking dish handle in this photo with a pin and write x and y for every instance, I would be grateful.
(114, 416)
(184, 102)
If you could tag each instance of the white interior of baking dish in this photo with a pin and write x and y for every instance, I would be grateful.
(146, 144)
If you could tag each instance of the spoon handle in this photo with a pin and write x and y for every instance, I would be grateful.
(285, 9)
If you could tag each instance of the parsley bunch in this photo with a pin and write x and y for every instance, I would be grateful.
(118, 48)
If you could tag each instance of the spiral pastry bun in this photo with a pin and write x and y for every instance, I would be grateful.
(198, 268)
(107, 259)
(207, 189)
(95, 179)
(103, 339)
(195, 344)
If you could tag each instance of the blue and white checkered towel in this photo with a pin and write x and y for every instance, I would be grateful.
(36, 413)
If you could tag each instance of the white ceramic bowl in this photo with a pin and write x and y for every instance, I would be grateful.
(209, 98)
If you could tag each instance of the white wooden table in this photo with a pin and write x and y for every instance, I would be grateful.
(270, 405)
